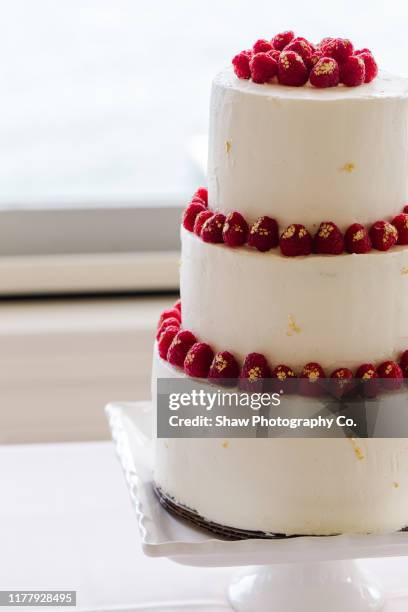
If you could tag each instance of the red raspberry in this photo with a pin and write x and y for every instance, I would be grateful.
(202, 195)
(201, 218)
(168, 314)
(341, 382)
(282, 39)
(314, 58)
(302, 47)
(262, 46)
(165, 340)
(198, 360)
(338, 48)
(328, 239)
(390, 375)
(325, 41)
(190, 214)
(368, 376)
(178, 349)
(292, 69)
(312, 380)
(357, 239)
(241, 65)
(235, 232)
(325, 73)
(371, 68)
(274, 54)
(352, 72)
(224, 368)
(405, 209)
(295, 241)
(177, 305)
(383, 235)
(404, 359)
(284, 378)
(171, 322)
(264, 234)
(263, 68)
(212, 228)
(253, 372)
(400, 222)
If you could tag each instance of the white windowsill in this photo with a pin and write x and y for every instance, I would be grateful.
(61, 362)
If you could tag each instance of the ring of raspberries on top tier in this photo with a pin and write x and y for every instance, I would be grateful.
(292, 60)
(182, 349)
(264, 234)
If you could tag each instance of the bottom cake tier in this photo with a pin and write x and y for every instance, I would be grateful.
(287, 486)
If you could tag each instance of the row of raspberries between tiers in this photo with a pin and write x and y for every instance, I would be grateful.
(234, 231)
(294, 61)
(181, 348)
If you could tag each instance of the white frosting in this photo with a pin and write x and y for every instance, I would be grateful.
(340, 310)
(305, 155)
(293, 486)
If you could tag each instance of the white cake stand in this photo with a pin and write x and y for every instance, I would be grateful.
(302, 574)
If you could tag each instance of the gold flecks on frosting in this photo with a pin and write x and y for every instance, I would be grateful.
(348, 167)
(396, 485)
(389, 230)
(228, 146)
(254, 373)
(189, 359)
(357, 450)
(325, 230)
(220, 363)
(368, 375)
(404, 271)
(225, 444)
(292, 326)
(325, 67)
(359, 235)
(289, 232)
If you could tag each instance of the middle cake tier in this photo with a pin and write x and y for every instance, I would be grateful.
(340, 311)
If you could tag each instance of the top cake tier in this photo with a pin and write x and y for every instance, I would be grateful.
(306, 155)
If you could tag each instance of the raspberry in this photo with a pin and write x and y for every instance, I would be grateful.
(241, 65)
(328, 239)
(400, 222)
(338, 48)
(371, 68)
(190, 214)
(352, 72)
(314, 58)
(302, 47)
(357, 239)
(262, 46)
(224, 368)
(404, 359)
(201, 194)
(292, 69)
(178, 349)
(325, 73)
(254, 370)
(166, 338)
(390, 375)
(274, 54)
(171, 322)
(212, 228)
(325, 41)
(235, 232)
(264, 234)
(284, 378)
(295, 241)
(405, 209)
(177, 305)
(263, 68)
(369, 384)
(169, 313)
(341, 382)
(383, 235)
(198, 360)
(201, 218)
(282, 39)
(311, 380)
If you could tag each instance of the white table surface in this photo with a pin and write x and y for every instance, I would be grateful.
(66, 522)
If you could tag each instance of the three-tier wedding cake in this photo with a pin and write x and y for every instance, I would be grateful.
(294, 266)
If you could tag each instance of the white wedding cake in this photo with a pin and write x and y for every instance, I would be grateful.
(294, 266)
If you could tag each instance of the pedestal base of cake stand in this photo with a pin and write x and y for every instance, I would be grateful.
(337, 586)
(298, 574)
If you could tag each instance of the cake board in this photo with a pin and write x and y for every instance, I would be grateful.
(298, 573)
